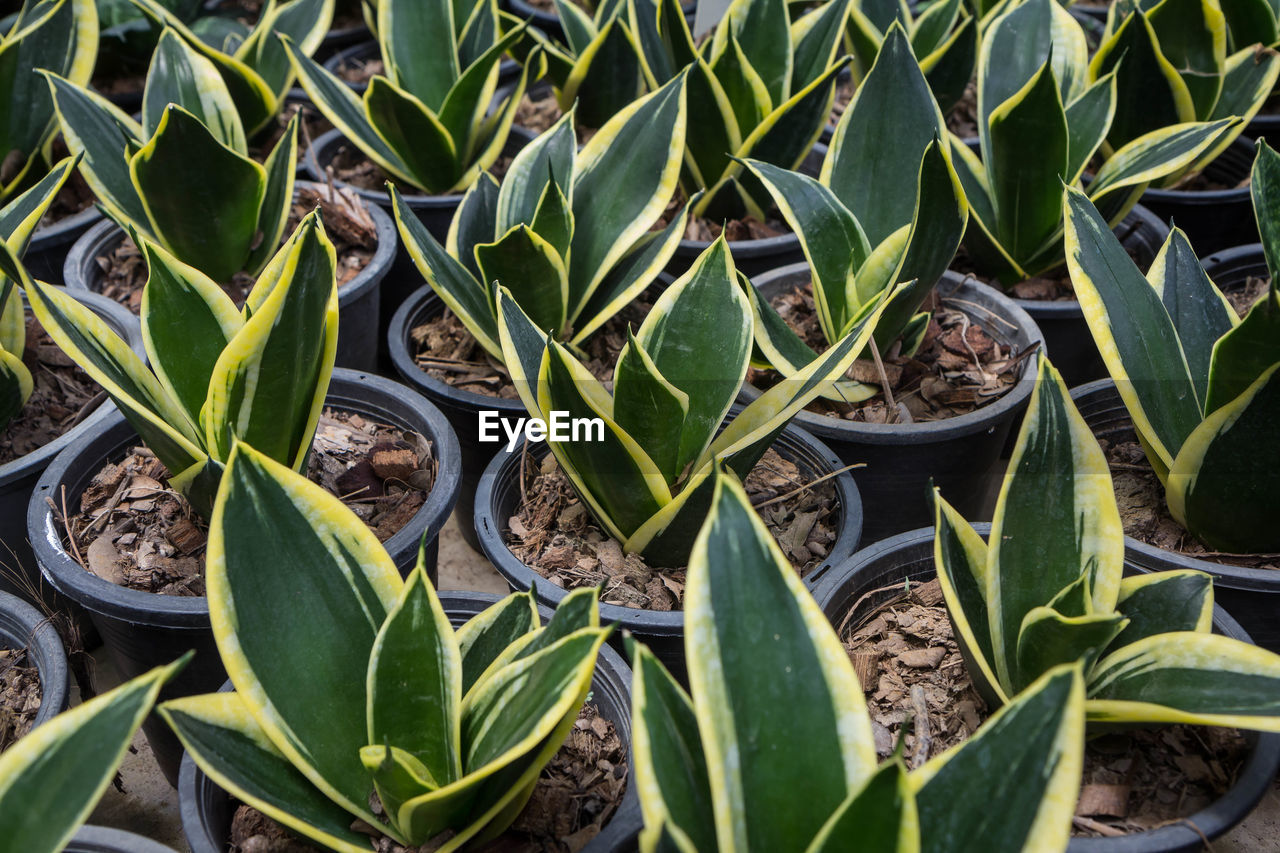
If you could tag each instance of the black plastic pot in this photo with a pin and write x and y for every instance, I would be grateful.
(207, 809)
(1250, 595)
(959, 455)
(877, 573)
(1067, 339)
(101, 839)
(498, 498)
(50, 244)
(1263, 126)
(1231, 268)
(754, 257)
(366, 49)
(434, 211)
(359, 299)
(142, 630)
(18, 477)
(24, 627)
(1213, 219)
(339, 39)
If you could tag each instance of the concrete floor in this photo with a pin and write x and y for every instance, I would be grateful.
(148, 806)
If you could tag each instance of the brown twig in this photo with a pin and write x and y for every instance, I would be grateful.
(892, 414)
(66, 525)
(809, 485)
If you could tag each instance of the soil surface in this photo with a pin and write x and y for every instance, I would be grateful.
(705, 230)
(74, 196)
(539, 110)
(446, 351)
(351, 166)
(133, 530)
(311, 126)
(19, 696)
(917, 688)
(958, 368)
(62, 396)
(576, 795)
(360, 71)
(553, 533)
(347, 224)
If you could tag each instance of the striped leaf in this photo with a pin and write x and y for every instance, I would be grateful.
(16, 386)
(20, 216)
(404, 26)
(484, 637)
(533, 270)
(286, 528)
(1164, 154)
(1150, 94)
(764, 33)
(179, 75)
(268, 386)
(1165, 601)
(757, 731)
(1192, 36)
(414, 131)
(51, 779)
(881, 815)
(1037, 741)
(1056, 513)
(1264, 190)
(281, 166)
(306, 22)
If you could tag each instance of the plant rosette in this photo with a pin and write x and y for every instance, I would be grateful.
(881, 571)
(89, 267)
(898, 460)
(143, 629)
(207, 810)
(498, 499)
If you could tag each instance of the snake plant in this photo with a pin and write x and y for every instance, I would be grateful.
(879, 216)
(59, 35)
(568, 232)
(52, 778)
(648, 481)
(1049, 589)
(761, 86)
(1171, 66)
(1044, 116)
(944, 35)
(1202, 387)
(183, 177)
(351, 683)
(18, 221)
(217, 374)
(427, 122)
(773, 751)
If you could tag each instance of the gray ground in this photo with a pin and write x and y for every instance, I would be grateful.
(149, 806)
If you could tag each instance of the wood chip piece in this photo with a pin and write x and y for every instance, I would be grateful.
(1097, 799)
(922, 658)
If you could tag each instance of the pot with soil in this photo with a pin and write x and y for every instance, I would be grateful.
(104, 261)
(537, 533)
(1214, 207)
(65, 407)
(953, 406)
(356, 63)
(902, 641)
(101, 839)
(34, 675)
(135, 553)
(757, 247)
(211, 819)
(1247, 586)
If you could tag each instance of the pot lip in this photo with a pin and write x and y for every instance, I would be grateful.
(1146, 221)
(1158, 559)
(1246, 253)
(660, 623)
(103, 839)
(62, 231)
(37, 460)
(22, 625)
(979, 420)
(1214, 820)
(517, 137)
(624, 826)
(99, 596)
(83, 252)
(1198, 198)
(369, 46)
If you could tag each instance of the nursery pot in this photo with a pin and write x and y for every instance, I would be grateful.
(1067, 339)
(24, 627)
(50, 244)
(101, 839)
(18, 477)
(1250, 595)
(1263, 126)
(959, 455)
(1213, 219)
(207, 810)
(142, 630)
(434, 211)
(877, 573)
(498, 498)
(358, 299)
(362, 49)
(754, 257)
